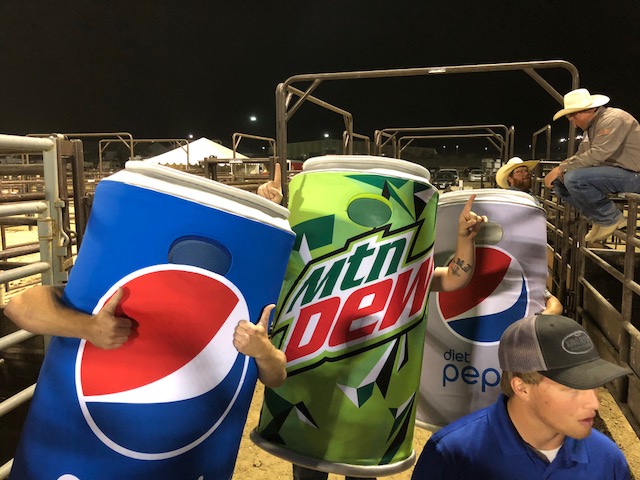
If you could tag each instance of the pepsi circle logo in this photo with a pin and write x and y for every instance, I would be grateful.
(171, 385)
(496, 296)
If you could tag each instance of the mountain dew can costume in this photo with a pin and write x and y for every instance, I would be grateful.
(351, 316)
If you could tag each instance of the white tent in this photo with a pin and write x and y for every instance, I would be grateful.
(198, 151)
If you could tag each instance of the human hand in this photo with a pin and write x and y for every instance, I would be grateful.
(553, 174)
(107, 330)
(253, 340)
(469, 223)
(272, 190)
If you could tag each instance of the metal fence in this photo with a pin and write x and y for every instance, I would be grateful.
(598, 285)
(52, 244)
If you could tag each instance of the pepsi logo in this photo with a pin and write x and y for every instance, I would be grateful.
(171, 385)
(496, 296)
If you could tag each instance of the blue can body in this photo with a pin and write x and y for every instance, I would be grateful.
(172, 402)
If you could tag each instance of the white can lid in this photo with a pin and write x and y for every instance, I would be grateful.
(203, 191)
(367, 163)
(488, 195)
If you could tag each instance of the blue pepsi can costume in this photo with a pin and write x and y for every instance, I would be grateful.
(193, 257)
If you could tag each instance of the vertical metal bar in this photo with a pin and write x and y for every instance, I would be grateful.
(281, 138)
(45, 219)
(626, 309)
(79, 192)
(51, 236)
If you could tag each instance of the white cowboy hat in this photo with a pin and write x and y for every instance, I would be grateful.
(503, 174)
(580, 99)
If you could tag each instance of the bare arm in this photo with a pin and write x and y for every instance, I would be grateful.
(460, 270)
(272, 190)
(40, 310)
(252, 340)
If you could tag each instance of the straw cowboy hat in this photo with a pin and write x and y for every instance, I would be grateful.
(580, 99)
(510, 166)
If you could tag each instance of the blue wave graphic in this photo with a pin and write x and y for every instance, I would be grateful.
(489, 328)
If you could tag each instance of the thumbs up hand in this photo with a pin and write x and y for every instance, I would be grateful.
(106, 329)
(253, 340)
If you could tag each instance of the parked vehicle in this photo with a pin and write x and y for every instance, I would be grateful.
(475, 175)
(452, 171)
(443, 180)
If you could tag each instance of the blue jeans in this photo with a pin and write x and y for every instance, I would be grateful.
(586, 190)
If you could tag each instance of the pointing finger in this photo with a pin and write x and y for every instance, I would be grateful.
(466, 211)
(277, 176)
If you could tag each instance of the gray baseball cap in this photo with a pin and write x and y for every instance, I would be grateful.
(559, 348)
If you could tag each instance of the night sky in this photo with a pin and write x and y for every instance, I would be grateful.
(159, 68)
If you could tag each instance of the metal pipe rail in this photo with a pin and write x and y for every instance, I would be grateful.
(547, 131)
(285, 91)
(14, 339)
(391, 133)
(18, 144)
(22, 208)
(411, 138)
(16, 400)
(52, 239)
(237, 137)
(346, 142)
(24, 271)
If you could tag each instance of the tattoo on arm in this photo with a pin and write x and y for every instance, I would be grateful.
(458, 264)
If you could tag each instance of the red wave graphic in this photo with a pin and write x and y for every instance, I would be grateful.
(177, 314)
(491, 267)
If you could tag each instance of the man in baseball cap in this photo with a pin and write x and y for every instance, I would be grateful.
(542, 424)
(607, 161)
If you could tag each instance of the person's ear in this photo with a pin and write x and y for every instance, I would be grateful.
(520, 388)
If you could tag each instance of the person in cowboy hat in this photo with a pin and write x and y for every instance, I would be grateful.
(516, 175)
(607, 161)
(542, 424)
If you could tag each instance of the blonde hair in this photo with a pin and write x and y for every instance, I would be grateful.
(532, 378)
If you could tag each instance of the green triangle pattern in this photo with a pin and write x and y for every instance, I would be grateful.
(318, 232)
(364, 393)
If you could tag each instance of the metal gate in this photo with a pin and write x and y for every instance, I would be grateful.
(53, 243)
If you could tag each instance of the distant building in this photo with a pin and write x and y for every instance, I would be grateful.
(317, 148)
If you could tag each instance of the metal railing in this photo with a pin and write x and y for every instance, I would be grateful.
(599, 286)
(499, 141)
(286, 92)
(52, 244)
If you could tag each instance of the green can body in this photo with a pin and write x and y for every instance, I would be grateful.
(351, 316)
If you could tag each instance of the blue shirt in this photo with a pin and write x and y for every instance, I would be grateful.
(485, 445)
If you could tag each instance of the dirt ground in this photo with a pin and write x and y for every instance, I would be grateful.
(256, 464)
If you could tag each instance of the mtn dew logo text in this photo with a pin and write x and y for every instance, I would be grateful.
(367, 292)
